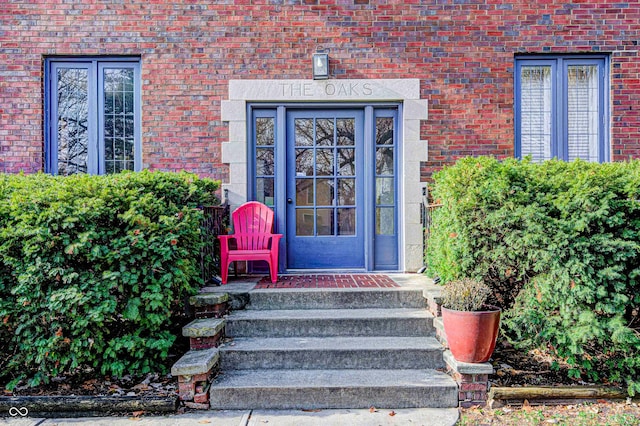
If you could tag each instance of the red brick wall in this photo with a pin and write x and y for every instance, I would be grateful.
(462, 52)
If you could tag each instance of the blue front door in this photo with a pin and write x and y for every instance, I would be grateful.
(325, 189)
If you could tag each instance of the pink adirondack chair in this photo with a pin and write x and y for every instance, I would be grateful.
(253, 226)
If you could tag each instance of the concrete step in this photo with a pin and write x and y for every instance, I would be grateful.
(332, 353)
(322, 389)
(358, 298)
(330, 322)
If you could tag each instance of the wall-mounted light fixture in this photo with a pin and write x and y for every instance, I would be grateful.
(320, 66)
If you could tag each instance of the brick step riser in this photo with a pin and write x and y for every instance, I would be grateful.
(321, 299)
(327, 327)
(232, 359)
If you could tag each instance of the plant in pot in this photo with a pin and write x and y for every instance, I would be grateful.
(470, 325)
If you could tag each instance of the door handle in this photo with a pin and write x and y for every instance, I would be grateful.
(289, 200)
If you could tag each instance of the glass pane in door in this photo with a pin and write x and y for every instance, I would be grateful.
(265, 141)
(317, 153)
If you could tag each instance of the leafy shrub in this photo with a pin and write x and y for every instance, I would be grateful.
(559, 244)
(465, 295)
(92, 268)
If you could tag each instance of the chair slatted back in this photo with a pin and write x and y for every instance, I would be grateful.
(253, 224)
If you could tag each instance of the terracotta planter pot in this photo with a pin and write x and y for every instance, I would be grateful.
(471, 335)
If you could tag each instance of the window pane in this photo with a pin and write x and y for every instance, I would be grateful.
(304, 222)
(118, 92)
(535, 111)
(346, 221)
(304, 132)
(346, 131)
(72, 87)
(384, 161)
(324, 162)
(265, 131)
(304, 162)
(582, 112)
(264, 161)
(346, 192)
(324, 132)
(385, 224)
(325, 192)
(384, 191)
(304, 192)
(264, 191)
(324, 224)
(347, 161)
(384, 131)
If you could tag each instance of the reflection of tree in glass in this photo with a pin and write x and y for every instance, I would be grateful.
(265, 131)
(384, 155)
(346, 192)
(73, 137)
(324, 132)
(304, 132)
(384, 131)
(325, 142)
(345, 131)
(347, 161)
(324, 162)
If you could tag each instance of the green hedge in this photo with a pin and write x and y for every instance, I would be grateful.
(559, 243)
(92, 269)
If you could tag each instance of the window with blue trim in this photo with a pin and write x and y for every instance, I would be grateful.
(92, 115)
(562, 108)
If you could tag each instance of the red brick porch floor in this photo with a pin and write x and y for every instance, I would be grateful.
(328, 281)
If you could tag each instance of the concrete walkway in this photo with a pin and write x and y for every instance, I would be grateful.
(414, 416)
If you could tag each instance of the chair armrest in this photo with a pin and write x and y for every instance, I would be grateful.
(275, 239)
(224, 239)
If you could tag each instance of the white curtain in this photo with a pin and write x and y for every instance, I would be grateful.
(582, 112)
(535, 112)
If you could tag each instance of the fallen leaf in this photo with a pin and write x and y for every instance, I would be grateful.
(393, 413)
(204, 421)
(138, 413)
(372, 409)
